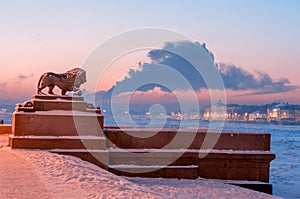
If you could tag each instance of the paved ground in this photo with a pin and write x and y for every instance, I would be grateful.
(18, 179)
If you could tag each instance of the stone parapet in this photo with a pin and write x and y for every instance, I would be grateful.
(5, 129)
(157, 138)
(236, 155)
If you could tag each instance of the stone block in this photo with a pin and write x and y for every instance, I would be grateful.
(252, 167)
(156, 138)
(58, 97)
(218, 164)
(57, 123)
(253, 185)
(48, 105)
(180, 172)
(5, 129)
(57, 142)
(144, 157)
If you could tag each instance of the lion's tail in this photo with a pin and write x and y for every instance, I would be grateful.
(39, 83)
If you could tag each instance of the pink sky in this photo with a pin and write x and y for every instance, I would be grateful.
(258, 36)
(116, 71)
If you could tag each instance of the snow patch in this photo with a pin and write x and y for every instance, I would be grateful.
(71, 177)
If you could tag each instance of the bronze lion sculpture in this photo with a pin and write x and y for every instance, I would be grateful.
(68, 81)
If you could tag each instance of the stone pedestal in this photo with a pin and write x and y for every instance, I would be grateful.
(61, 124)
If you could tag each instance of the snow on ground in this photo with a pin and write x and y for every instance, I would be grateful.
(70, 177)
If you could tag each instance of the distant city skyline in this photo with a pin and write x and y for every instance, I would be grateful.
(259, 37)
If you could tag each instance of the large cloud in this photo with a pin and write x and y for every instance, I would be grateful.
(234, 77)
(237, 78)
(167, 70)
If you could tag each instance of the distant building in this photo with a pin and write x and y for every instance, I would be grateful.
(221, 111)
(297, 115)
(284, 111)
(258, 116)
(192, 116)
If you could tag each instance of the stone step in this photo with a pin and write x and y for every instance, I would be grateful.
(57, 142)
(101, 158)
(48, 105)
(253, 185)
(58, 97)
(181, 156)
(181, 172)
(97, 157)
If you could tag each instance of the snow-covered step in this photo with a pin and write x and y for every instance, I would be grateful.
(182, 156)
(95, 156)
(57, 142)
(155, 171)
(144, 157)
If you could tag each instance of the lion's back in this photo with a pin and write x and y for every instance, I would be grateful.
(69, 81)
(47, 79)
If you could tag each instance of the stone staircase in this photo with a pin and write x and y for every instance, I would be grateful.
(68, 125)
(236, 155)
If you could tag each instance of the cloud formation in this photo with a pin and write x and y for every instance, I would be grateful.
(234, 77)
(168, 70)
(20, 78)
(237, 78)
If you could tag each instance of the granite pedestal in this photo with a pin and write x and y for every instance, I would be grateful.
(64, 124)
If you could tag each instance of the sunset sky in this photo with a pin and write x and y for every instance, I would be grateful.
(57, 35)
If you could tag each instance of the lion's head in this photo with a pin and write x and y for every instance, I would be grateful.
(79, 76)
